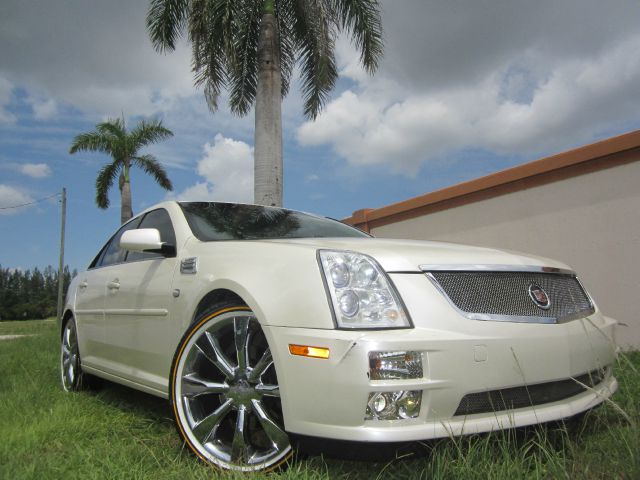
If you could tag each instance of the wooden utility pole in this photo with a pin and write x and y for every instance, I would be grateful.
(61, 264)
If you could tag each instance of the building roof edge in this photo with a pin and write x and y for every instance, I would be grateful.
(575, 158)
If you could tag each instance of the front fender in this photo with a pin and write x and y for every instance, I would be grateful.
(282, 285)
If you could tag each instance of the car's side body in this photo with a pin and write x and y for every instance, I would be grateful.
(131, 317)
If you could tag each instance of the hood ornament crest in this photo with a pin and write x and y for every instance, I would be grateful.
(539, 297)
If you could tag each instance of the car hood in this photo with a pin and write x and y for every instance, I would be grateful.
(409, 255)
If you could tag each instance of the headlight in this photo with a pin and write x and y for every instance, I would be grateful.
(361, 294)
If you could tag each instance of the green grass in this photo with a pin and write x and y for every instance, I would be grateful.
(120, 433)
(27, 327)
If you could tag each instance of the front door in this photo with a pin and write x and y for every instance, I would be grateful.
(138, 327)
(137, 321)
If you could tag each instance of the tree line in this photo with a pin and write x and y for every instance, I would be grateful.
(29, 294)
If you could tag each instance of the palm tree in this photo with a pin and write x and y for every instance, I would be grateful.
(250, 47)
(113, 138)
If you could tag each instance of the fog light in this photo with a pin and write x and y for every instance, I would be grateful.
(409, 405)
(382, 405)
(399, 365)
(403, 404)
(379, 403)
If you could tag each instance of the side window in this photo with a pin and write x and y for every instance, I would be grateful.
(96, 260)
(160, 220)
(112, 253)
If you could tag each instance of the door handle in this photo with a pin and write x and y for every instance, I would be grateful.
(83, 285)
(113, 285)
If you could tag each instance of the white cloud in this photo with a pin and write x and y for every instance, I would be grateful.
(95, 56)
(43, 108)
(510, 77)
(227, 168)
(11, 199)
(515, 109)
(35, 170)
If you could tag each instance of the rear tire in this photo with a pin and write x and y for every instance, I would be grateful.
(224, 393)
(71, 375)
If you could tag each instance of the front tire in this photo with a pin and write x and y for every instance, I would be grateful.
(224, 393)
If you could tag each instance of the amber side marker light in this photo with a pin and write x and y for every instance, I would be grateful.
(307, 351)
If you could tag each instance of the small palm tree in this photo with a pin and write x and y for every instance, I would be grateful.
(113, 138)
(250, 47)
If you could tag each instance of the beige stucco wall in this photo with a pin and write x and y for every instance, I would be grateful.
(591, 222)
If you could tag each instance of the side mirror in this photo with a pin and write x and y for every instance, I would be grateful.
(141, 240)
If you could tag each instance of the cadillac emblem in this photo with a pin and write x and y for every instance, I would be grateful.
(539, 296)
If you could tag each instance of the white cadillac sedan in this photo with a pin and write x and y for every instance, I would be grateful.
(258, 323)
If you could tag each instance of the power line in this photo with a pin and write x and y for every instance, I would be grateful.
(31, 203)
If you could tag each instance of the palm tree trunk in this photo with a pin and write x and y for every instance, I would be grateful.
(268, 131)
(125, 197)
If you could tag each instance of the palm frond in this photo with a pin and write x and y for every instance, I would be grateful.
(166, 20)
(151, 166)
(225, 33)
(315, 37)
(104, 181)
(286, 21)
(206, 60)
(210, 29)
(148, 131)
(243, 59)
(211, 94)
(91, 142)
(114, 127)
(361, 19)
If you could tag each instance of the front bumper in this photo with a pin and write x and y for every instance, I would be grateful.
(328, 398)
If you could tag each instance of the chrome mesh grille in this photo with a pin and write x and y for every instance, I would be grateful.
(487, 295)
(527, 396)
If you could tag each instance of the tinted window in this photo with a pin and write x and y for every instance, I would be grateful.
(96, 259)
(229, 221)
(112, 253)
(160, 220)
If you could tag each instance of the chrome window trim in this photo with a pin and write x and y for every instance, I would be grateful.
(513, 318)
(493, 268)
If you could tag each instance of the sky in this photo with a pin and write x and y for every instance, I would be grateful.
(465, 88)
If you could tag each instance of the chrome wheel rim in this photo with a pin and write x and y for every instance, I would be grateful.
(227, 397)
(69, 357)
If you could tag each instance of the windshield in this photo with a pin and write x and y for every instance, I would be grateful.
(230, 221)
